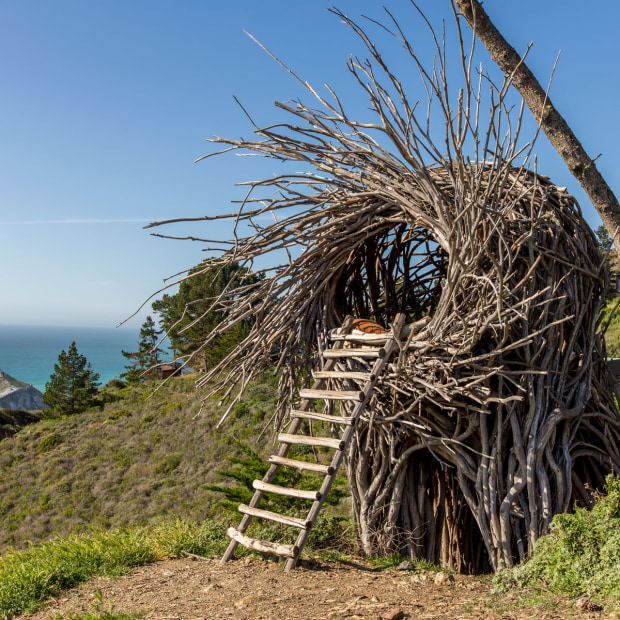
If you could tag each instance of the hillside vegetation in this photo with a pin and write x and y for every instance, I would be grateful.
(612, 324)
(13, 420)
(147, 465)
(141, 459)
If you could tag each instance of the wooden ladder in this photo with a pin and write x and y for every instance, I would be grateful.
(385, 345)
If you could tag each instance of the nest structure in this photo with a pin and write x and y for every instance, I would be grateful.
(499, 411)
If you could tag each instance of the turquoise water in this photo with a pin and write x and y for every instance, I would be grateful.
(29, 353)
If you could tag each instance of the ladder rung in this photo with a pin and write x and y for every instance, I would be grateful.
(259, 485)
(274, 516)
(359, 352)
(305, 440)
(322, 417)
(362, 338)
(332, 394)
(289, 551)
(342, 374)
(301, 465)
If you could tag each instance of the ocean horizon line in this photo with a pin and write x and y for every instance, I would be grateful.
(28, 352)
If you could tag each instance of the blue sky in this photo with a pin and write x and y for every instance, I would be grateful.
(104, 106)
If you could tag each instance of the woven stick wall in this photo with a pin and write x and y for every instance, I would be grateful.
(499, 411)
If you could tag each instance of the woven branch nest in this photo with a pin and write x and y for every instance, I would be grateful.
(501, 400)
(496, 281)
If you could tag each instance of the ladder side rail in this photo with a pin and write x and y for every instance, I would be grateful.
(338, 457)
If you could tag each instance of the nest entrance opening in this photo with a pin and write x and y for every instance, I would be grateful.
(400, 269)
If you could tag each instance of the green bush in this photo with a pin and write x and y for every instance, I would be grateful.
(208, 539)
(580, 555)
(49, 442)
(612, 324)
(116, 384)
(334, 533)
(240, 410)
(119, 413)
(168, 464)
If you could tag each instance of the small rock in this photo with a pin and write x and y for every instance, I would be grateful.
(252, 598)
(394, 614)
(585, 604)
(441, 578)
(406, 565)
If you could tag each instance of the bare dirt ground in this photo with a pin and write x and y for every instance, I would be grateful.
(256, 589)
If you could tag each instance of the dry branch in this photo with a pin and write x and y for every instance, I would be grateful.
(561, 136)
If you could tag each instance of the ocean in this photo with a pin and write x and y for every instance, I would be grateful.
(29, 353)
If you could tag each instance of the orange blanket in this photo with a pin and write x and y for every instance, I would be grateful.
(368, 327)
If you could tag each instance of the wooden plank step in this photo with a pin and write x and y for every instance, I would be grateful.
(321, 417)
(305, 440)
(301, 465)
(274, 516)
(332, 394)
(342, 374)
(361, 337)
(259, 485)
(287, 551)
(364, 352)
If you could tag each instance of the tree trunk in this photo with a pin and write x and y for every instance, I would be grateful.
(561, 136)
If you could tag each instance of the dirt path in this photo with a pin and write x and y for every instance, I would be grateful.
(255, 589)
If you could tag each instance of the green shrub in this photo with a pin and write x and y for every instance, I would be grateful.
(240, 410)
(49, 442)
(168, 464)
(146, 419)
(119, 413)
(116, 384)
(612, 323)
(334, 533)
(580, 555)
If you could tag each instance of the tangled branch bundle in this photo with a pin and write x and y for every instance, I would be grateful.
(499, 412)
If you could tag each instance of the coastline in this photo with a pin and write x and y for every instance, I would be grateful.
(28, 353)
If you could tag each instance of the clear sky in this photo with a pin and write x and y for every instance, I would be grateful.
(104, 106)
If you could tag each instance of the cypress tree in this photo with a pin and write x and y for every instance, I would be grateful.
(74, 386)
(147, 355)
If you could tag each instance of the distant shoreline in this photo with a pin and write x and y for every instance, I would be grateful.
(28, 352)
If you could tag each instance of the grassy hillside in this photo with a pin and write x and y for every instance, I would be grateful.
(612, 335)
(138, 460)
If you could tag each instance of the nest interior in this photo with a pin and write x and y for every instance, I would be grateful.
(400, 269)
